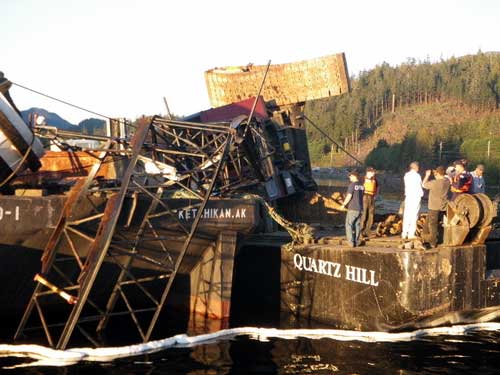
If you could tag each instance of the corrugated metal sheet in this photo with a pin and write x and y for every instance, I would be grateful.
(286, 83)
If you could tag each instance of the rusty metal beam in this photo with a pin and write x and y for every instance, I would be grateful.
(117, 290)
(50, 250)
(187, 242)
(103, 239)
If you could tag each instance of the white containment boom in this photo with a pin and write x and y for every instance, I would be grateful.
(19, 148)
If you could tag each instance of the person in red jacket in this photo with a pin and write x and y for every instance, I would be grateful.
(461, 181)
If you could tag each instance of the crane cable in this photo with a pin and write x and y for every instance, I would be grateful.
(62, 101)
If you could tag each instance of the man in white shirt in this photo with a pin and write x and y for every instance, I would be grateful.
(413, 195)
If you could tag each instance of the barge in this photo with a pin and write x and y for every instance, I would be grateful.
(380, 287)
(386, 286)
(165, 210)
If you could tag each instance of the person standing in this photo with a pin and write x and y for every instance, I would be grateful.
(438, 198)
(461, 181)
(353, 202)
(478, 185)
(413, 195)
(371, 190)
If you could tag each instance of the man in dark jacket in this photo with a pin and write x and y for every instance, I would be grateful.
(354, 204)
(438, 198)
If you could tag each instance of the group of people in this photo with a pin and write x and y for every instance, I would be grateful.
(455, 180)
(360, 199)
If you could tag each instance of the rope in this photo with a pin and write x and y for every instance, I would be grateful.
(301, 233)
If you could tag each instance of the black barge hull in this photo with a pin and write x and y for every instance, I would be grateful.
(382, 288)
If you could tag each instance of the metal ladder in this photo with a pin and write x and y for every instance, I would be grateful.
(118, 244)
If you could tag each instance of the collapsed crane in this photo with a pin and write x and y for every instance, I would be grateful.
(138, 204)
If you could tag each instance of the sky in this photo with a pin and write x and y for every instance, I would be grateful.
(120, 58)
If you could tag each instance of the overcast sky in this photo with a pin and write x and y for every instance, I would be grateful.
(120, 57)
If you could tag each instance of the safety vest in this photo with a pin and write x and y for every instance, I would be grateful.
(370, 186)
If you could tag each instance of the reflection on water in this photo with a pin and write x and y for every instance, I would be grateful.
(475, 352)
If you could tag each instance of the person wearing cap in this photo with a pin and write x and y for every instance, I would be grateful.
(461, 181)
(371, 190)
(413, 195)
(438, 198)
(478, 185)
(353, 202)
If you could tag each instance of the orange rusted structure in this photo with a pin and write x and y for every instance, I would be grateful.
(57, 165)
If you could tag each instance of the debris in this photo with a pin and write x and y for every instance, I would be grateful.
(301, 233)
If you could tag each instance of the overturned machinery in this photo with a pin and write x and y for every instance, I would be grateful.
(468, 219)
(119, 222)
(150, 218)
(140, 206)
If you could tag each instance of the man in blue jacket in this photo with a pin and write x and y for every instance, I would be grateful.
(353, 202)
(478, 185)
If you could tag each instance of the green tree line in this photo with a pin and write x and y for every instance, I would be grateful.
(471, 81)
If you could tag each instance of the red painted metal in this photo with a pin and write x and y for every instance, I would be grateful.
(231, 111)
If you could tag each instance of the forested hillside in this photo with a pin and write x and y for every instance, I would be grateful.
(418, 110)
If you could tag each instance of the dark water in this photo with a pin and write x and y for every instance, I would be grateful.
(474, 353)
